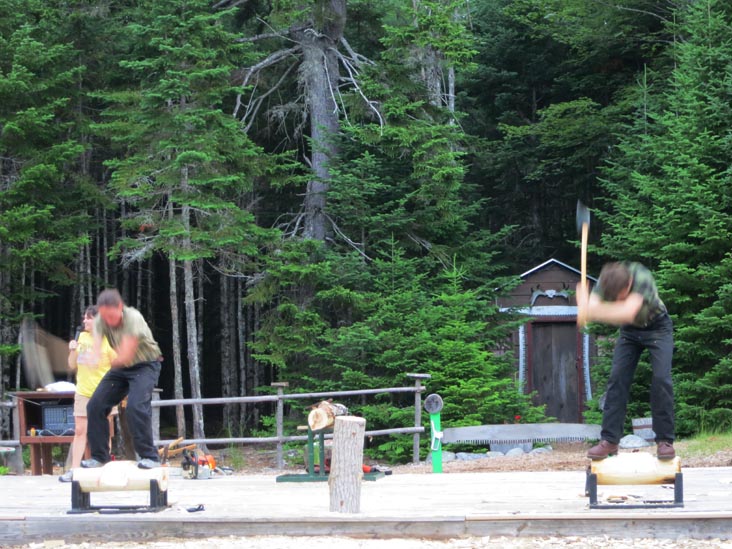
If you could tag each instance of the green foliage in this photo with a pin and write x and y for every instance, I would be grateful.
(142, 105)
(43, 196)
(353, 336)
(188, 164)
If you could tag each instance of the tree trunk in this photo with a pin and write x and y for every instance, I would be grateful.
(192, 344)
(138, 289)
(125, 271)
(191, 320)
(319, 77)
(150, 303)
(346, 467)
(228, 372)
(4, 332)
(241, 334)
(90, 297)
(253, 328)
(180, 417)
(21, 312)
(198, 273)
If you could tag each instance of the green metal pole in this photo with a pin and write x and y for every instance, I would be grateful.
(436, 442)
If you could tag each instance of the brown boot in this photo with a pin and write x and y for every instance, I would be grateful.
(602, 450)
(665, 450)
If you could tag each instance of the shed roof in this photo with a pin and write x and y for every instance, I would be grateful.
(556, 262)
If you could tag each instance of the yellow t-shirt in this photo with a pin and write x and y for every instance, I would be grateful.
(88, 373)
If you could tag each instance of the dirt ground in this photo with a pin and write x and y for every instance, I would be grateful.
(563, 457)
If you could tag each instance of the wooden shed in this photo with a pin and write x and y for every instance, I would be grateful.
(553, 356)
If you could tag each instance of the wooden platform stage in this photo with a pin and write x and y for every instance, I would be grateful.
(450, 505)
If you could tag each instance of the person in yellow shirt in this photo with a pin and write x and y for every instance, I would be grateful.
(89, 373)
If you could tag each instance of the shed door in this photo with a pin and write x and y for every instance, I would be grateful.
(554, 369)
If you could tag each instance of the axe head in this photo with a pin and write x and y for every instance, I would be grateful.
(583, 216)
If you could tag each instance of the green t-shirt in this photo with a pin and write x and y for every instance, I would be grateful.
(645, 285)
(133, 324)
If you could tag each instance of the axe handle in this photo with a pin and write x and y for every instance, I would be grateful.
(585, 234)
(581, 321)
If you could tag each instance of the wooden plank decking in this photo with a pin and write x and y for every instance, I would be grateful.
(413, 505)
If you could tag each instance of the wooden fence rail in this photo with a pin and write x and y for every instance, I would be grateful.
(280, 439)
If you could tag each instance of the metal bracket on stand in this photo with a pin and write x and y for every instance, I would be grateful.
(81, 502)
(311, 475)
(321, 474)
(678, 501)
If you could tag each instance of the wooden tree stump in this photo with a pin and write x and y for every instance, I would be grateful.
(346, 467)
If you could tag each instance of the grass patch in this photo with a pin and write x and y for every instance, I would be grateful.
(236, 458)
(706, 444)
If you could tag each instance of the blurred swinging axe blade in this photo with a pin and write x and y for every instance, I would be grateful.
(583, 217)
(583, 227)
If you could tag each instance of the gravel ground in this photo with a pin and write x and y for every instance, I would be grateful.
(564, 457)
(279, 542)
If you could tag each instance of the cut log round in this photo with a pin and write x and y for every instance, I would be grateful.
(636, 468)
(324, 413)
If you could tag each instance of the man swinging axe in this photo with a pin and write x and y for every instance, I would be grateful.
(626, 296)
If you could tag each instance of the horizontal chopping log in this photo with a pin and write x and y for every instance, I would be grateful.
(635, 468)
(120, 476)
(324, 413)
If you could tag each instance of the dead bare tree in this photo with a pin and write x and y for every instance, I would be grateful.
(325, 64)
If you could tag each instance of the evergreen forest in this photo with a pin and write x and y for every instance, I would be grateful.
(334, 193)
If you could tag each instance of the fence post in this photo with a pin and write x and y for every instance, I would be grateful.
(155, 415)
(16, 460)
(279, 419)
(417, 412)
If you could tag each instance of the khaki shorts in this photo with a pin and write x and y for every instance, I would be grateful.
(80, 403)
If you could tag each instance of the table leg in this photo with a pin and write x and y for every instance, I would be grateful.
(47, 451)
(35, 458)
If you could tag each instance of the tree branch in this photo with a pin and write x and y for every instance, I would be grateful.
(231, 4)
(273, 59)
(344, 237)
(253, 105)
(353, 73)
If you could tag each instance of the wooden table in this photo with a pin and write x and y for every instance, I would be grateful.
(30, 416)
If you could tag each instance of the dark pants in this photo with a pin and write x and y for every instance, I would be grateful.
(136, 383)
(658, 338)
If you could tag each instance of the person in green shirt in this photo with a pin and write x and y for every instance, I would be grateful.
(133, 373)
(626, 295)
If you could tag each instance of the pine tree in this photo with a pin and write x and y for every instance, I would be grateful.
(43, 203)
(187, 165)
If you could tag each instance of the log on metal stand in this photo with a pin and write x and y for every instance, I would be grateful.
(636, 468)
(324, 413)
(346, 469)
